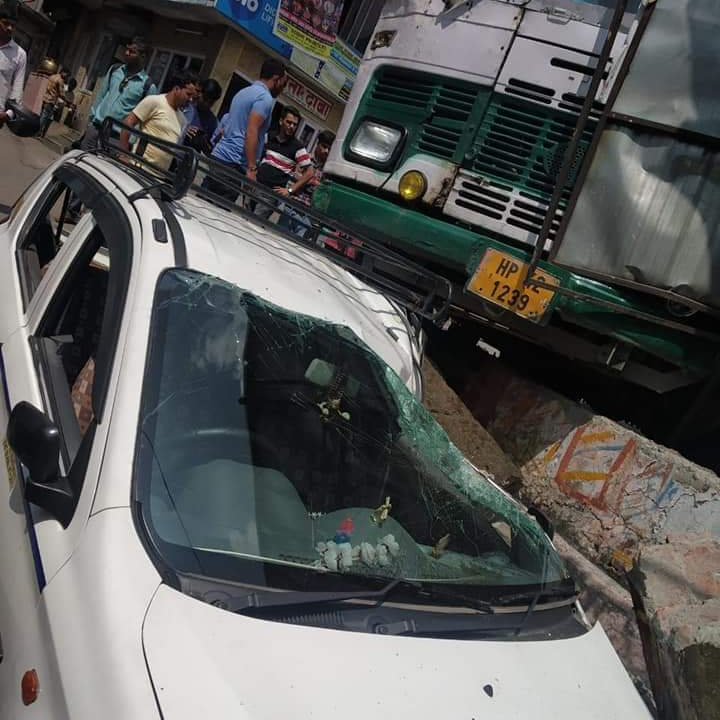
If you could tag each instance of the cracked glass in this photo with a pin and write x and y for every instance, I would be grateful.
(275, 445)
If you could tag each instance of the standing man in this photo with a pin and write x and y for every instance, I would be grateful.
(285, 157)
(293, 219)
(54, 90)
(124, 86)
(202, 122)
(242, 143)
(13, 60)
(161, 116)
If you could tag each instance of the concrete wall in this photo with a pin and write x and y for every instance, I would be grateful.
(233, 50)
(33, 34)
(676, 589)
(164, 34)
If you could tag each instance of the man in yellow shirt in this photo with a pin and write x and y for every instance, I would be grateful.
(161, 117)
(54, 90)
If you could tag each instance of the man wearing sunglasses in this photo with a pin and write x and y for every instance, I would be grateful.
(124, 86)
(13, 60)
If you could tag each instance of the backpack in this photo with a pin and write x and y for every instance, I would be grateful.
(148, 81)
(146, 89)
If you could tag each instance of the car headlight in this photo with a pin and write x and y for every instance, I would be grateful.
(375, 142)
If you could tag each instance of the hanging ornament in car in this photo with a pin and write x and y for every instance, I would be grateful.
(380, 515)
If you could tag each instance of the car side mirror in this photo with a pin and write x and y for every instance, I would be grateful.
(542, 520)
(35, 439)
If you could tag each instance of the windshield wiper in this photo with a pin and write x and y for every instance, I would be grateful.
(258, 603)
(536, 596)
(456, 599)
(273, 600)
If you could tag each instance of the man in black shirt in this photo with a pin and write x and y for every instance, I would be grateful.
(202, 121)
(287, 166)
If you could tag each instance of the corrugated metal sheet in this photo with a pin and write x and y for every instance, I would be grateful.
(650, 211)
(673, 77)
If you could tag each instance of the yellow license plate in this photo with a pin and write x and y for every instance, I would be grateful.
(500, 278)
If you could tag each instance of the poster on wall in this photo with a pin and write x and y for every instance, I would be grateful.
(310, 25)
(346, 62)
(337, 74)
(258, 18)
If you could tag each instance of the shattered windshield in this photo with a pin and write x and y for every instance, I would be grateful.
(274, 443)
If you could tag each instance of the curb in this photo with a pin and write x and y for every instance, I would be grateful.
(59, 143)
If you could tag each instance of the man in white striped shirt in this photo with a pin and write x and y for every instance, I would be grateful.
(287, 166)
(13, 60)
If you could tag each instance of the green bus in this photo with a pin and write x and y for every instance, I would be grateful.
(558, 161)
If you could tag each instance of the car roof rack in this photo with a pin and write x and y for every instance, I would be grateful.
(416, 288)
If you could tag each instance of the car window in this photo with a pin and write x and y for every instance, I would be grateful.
(41, 237)
(68, 341)
(274, 443)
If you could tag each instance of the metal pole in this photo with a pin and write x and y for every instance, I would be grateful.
(606, 115)
(564, 173)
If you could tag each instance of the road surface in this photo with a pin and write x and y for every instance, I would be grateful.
(23, 159)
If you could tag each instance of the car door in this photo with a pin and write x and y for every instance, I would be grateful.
(58, 357)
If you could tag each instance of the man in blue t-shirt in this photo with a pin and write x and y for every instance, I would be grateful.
(124, 86)
(122, 89)
(243, 140)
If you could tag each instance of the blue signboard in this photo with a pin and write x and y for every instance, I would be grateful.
(256, 17)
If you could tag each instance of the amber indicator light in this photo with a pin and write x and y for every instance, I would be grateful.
(30, 687)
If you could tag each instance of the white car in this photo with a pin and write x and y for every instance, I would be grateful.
(222, 498)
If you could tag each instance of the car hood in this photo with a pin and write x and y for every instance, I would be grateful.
(207, 662)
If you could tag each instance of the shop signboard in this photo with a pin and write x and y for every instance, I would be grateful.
(302, 95)
(309, 25)
(257, 17)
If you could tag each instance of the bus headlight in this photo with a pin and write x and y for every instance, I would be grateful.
(374, 142)
(412, 185)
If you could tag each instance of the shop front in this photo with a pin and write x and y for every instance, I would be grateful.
(227, 40)
(313, 88)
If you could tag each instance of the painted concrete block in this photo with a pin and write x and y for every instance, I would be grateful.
(608, 488)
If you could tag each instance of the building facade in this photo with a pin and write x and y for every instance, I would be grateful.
(34, 31)
(227, 40)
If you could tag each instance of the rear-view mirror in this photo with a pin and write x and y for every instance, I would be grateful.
(324, 374)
